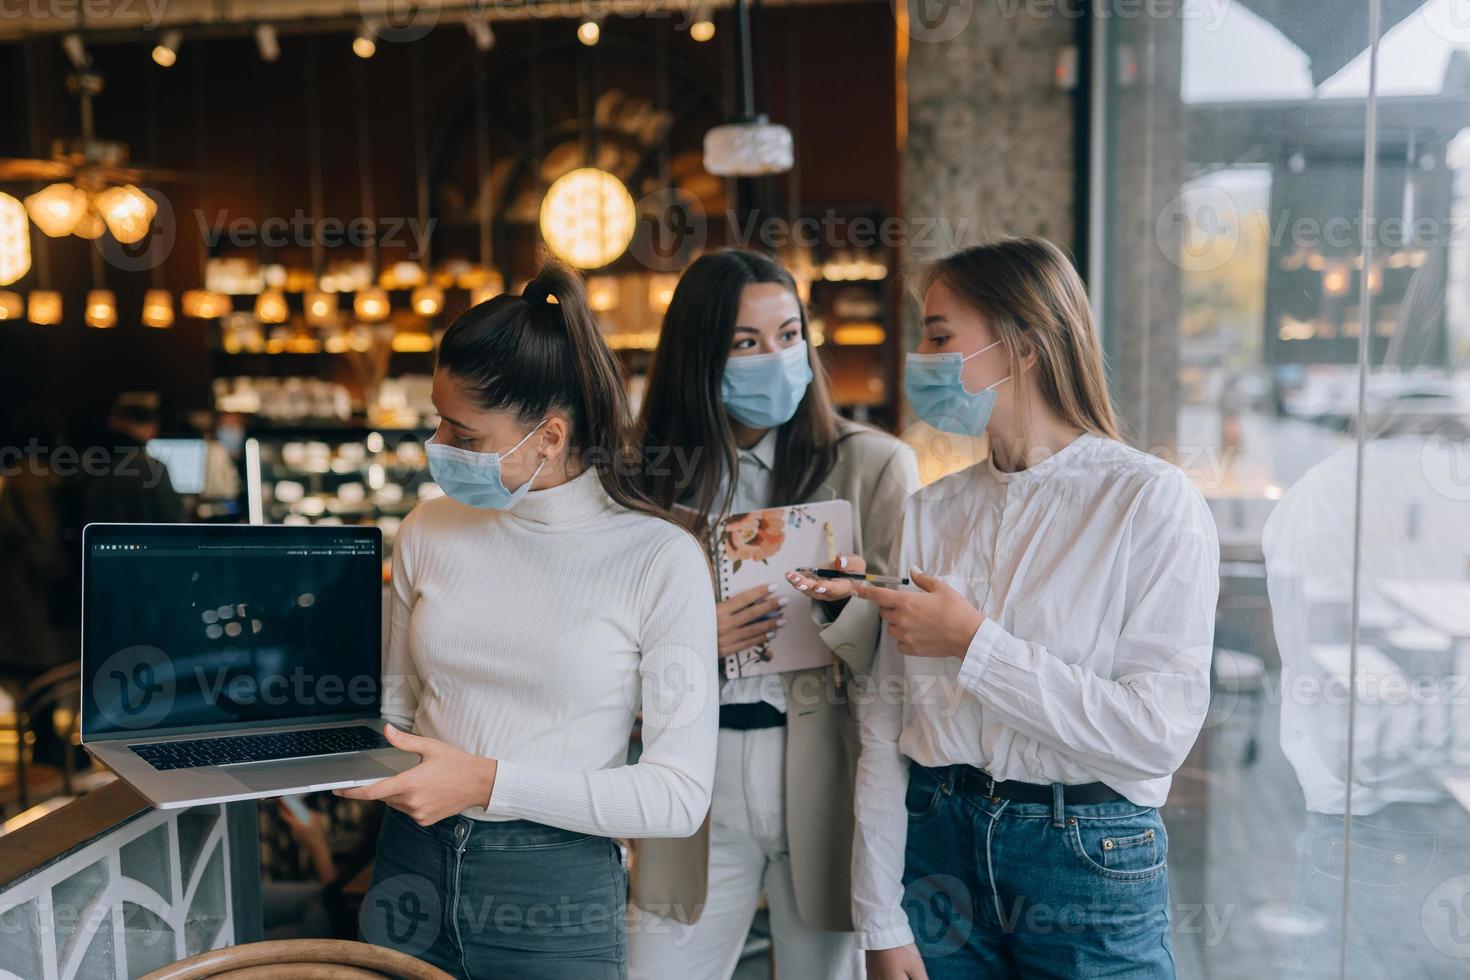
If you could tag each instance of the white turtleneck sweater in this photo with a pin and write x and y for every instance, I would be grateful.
(533, 636)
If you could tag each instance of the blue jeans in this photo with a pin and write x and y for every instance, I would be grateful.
(1005, 889)
(487, 900)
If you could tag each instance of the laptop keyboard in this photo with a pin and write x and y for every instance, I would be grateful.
(230, 749)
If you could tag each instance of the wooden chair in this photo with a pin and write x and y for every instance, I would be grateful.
(300, 959)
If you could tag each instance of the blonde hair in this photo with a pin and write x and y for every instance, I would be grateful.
(1033, 297)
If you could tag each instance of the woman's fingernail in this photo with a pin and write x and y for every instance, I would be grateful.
(781, 622)
(771, 635)
(771, 587)
(822, 589)
(783, 601)
(801, 588)
(842, 561)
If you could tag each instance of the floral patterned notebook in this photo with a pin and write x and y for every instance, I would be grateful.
(761, 547)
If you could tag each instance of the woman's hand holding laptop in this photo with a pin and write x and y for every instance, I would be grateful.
(446, 781)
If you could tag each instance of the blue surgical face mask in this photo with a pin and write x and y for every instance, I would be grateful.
(763, 390)
(939, 397)
(474, 478)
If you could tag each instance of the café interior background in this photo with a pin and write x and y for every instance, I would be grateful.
(264, 213)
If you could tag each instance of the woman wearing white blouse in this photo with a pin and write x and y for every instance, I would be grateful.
(1053, 660)
(536, 607)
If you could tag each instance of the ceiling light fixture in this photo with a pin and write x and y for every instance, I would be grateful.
(481, 31)
(166, 51)
(751, 146)
(266, 42)
(15, 240)
(588, 218)
(364, 46)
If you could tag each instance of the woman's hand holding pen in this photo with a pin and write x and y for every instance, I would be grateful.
(830, 589)
(446, 781)
(934, 622)
(748, 618)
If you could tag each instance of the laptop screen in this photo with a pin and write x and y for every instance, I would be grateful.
(203, 627)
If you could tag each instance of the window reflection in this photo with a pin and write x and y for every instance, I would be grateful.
(1322, 826)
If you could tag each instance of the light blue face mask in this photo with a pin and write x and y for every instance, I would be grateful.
(939, 397)
(474, 478)
(763, 390)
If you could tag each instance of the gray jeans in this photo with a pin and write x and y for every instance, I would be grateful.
(487, 900)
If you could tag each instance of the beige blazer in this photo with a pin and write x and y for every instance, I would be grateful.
(875, 472)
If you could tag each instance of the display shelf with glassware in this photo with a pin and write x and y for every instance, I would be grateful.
(336, 474)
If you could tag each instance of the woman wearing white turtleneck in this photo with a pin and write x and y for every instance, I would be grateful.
(528, 628)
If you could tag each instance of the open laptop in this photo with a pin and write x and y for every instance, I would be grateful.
(227, 662)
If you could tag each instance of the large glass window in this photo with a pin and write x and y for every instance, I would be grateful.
(1279, 256)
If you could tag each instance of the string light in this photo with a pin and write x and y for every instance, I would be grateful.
(270, 307)
(43, 307)
(427, 300)
(101, 310)
(371, 305)
(158, 309)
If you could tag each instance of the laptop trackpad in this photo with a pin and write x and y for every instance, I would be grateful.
(289, 773)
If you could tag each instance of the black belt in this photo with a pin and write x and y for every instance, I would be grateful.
(757, 714)
(968, 779)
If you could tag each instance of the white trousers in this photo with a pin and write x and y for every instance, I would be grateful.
(747, 855)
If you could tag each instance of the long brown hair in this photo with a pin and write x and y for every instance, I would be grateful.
(1031, 294)
(539, 352)
(683, 410)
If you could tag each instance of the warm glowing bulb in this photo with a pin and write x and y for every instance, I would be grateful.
(15, 240)
(43, 307)
(57, 209)
(702, 30)
(321, 308)
(589, 32)
(412, 342)
(602, 294)
(101, 309)
(428, 300)
(127, 211)
(166, 52)
(12, 306)
(588, 218)
(364, 46)
(205, 304)
(661, 291)
(91, 226)
(371, 305)
(158, 309)
(270, 307)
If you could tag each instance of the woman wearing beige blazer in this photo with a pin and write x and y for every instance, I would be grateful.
(735, 388)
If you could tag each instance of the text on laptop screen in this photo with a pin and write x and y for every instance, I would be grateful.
(201, 627)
